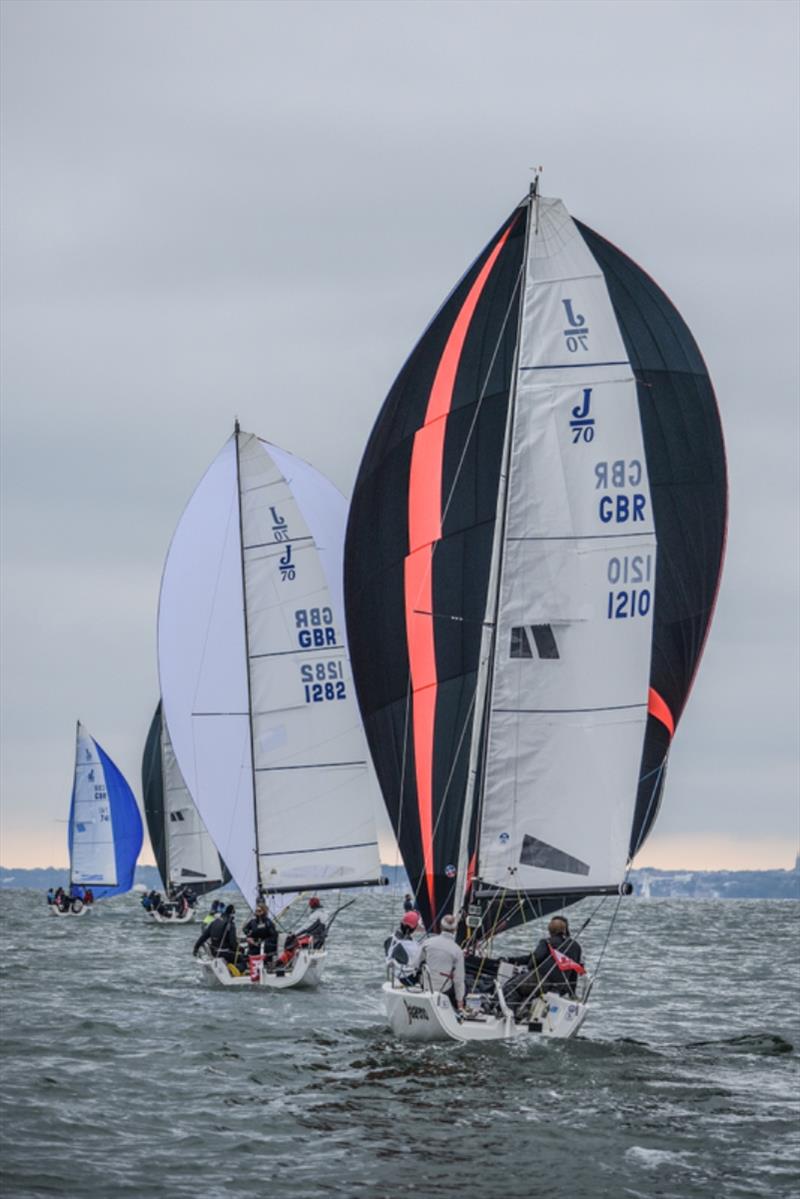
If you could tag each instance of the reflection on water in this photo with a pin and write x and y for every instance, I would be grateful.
(125, 1074)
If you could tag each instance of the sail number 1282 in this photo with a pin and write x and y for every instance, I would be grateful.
(322, 681)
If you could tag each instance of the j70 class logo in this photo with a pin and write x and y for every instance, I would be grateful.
(415, 1012)
(287, 566)
(577, 335)
(279, 526)
(582, 424)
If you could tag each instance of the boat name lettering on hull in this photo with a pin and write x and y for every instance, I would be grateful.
(415, 1012)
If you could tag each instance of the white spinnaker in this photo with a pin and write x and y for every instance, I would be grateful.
(314, 800)
(191, 854)
(202, 666)
(93, 857)
(565, 732)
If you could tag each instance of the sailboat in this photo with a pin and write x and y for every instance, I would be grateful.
(105, 830)
(186, 856)
(256, 687)
(533, 555)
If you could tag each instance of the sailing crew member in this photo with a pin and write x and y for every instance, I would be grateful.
(544, 973)
(261, 933)
(408, 903)
(318, 929)
(221, 936)
(403, 953)
(51, 895)
(445, 962)
(88, 896)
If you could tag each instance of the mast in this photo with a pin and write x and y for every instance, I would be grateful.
(72, 805)
(247, 656)
(165, 816)
(489, 631)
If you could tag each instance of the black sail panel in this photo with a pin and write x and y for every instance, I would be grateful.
(153, 794)
(156, 816)
(688, 482)
(417, 558)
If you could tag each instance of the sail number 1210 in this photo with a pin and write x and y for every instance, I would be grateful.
(628, 602)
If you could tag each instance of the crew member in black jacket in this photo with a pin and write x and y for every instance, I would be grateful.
(221, 936)
(261, 933)
(543, 973)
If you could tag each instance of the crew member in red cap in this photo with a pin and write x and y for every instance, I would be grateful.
(402, 951)
(317, 930)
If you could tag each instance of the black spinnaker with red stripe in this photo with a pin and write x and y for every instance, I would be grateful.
(421, 528)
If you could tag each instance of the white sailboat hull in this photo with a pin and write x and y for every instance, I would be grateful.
(415, 1014)
(82, 910)
(157, 918)
(305, 970)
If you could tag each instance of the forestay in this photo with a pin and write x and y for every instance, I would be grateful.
(255, 676)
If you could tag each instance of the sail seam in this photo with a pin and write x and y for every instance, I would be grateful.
(573, 366)
(534, 711)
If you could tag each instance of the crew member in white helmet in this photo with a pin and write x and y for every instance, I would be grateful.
(402, 951)
(445, 962)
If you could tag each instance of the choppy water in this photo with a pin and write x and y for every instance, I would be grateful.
(123, 1074)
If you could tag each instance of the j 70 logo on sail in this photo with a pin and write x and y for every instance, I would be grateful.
(582, 424)
(578, 333)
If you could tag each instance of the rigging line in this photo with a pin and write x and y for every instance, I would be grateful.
(597, 969)
(491, 936)
(456, 755)
(644, 824)
(445, 511)
(401, 804)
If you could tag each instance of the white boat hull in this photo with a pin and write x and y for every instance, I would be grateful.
(157, 918)
(305, 970)
(415, 1014)
(82, 910)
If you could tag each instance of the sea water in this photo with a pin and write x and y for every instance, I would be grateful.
(124, 1074)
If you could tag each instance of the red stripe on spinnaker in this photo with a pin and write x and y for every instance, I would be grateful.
(657, 707)
(424, 529)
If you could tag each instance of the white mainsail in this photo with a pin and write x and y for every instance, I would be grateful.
(93, 859)
(255, 677)
(567, 705)
(191, 855)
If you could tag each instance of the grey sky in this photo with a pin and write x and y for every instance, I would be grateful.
(253, 209)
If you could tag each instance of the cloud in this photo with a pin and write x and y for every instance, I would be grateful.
(227, 209)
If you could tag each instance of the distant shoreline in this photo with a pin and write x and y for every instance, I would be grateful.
(647, 883)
